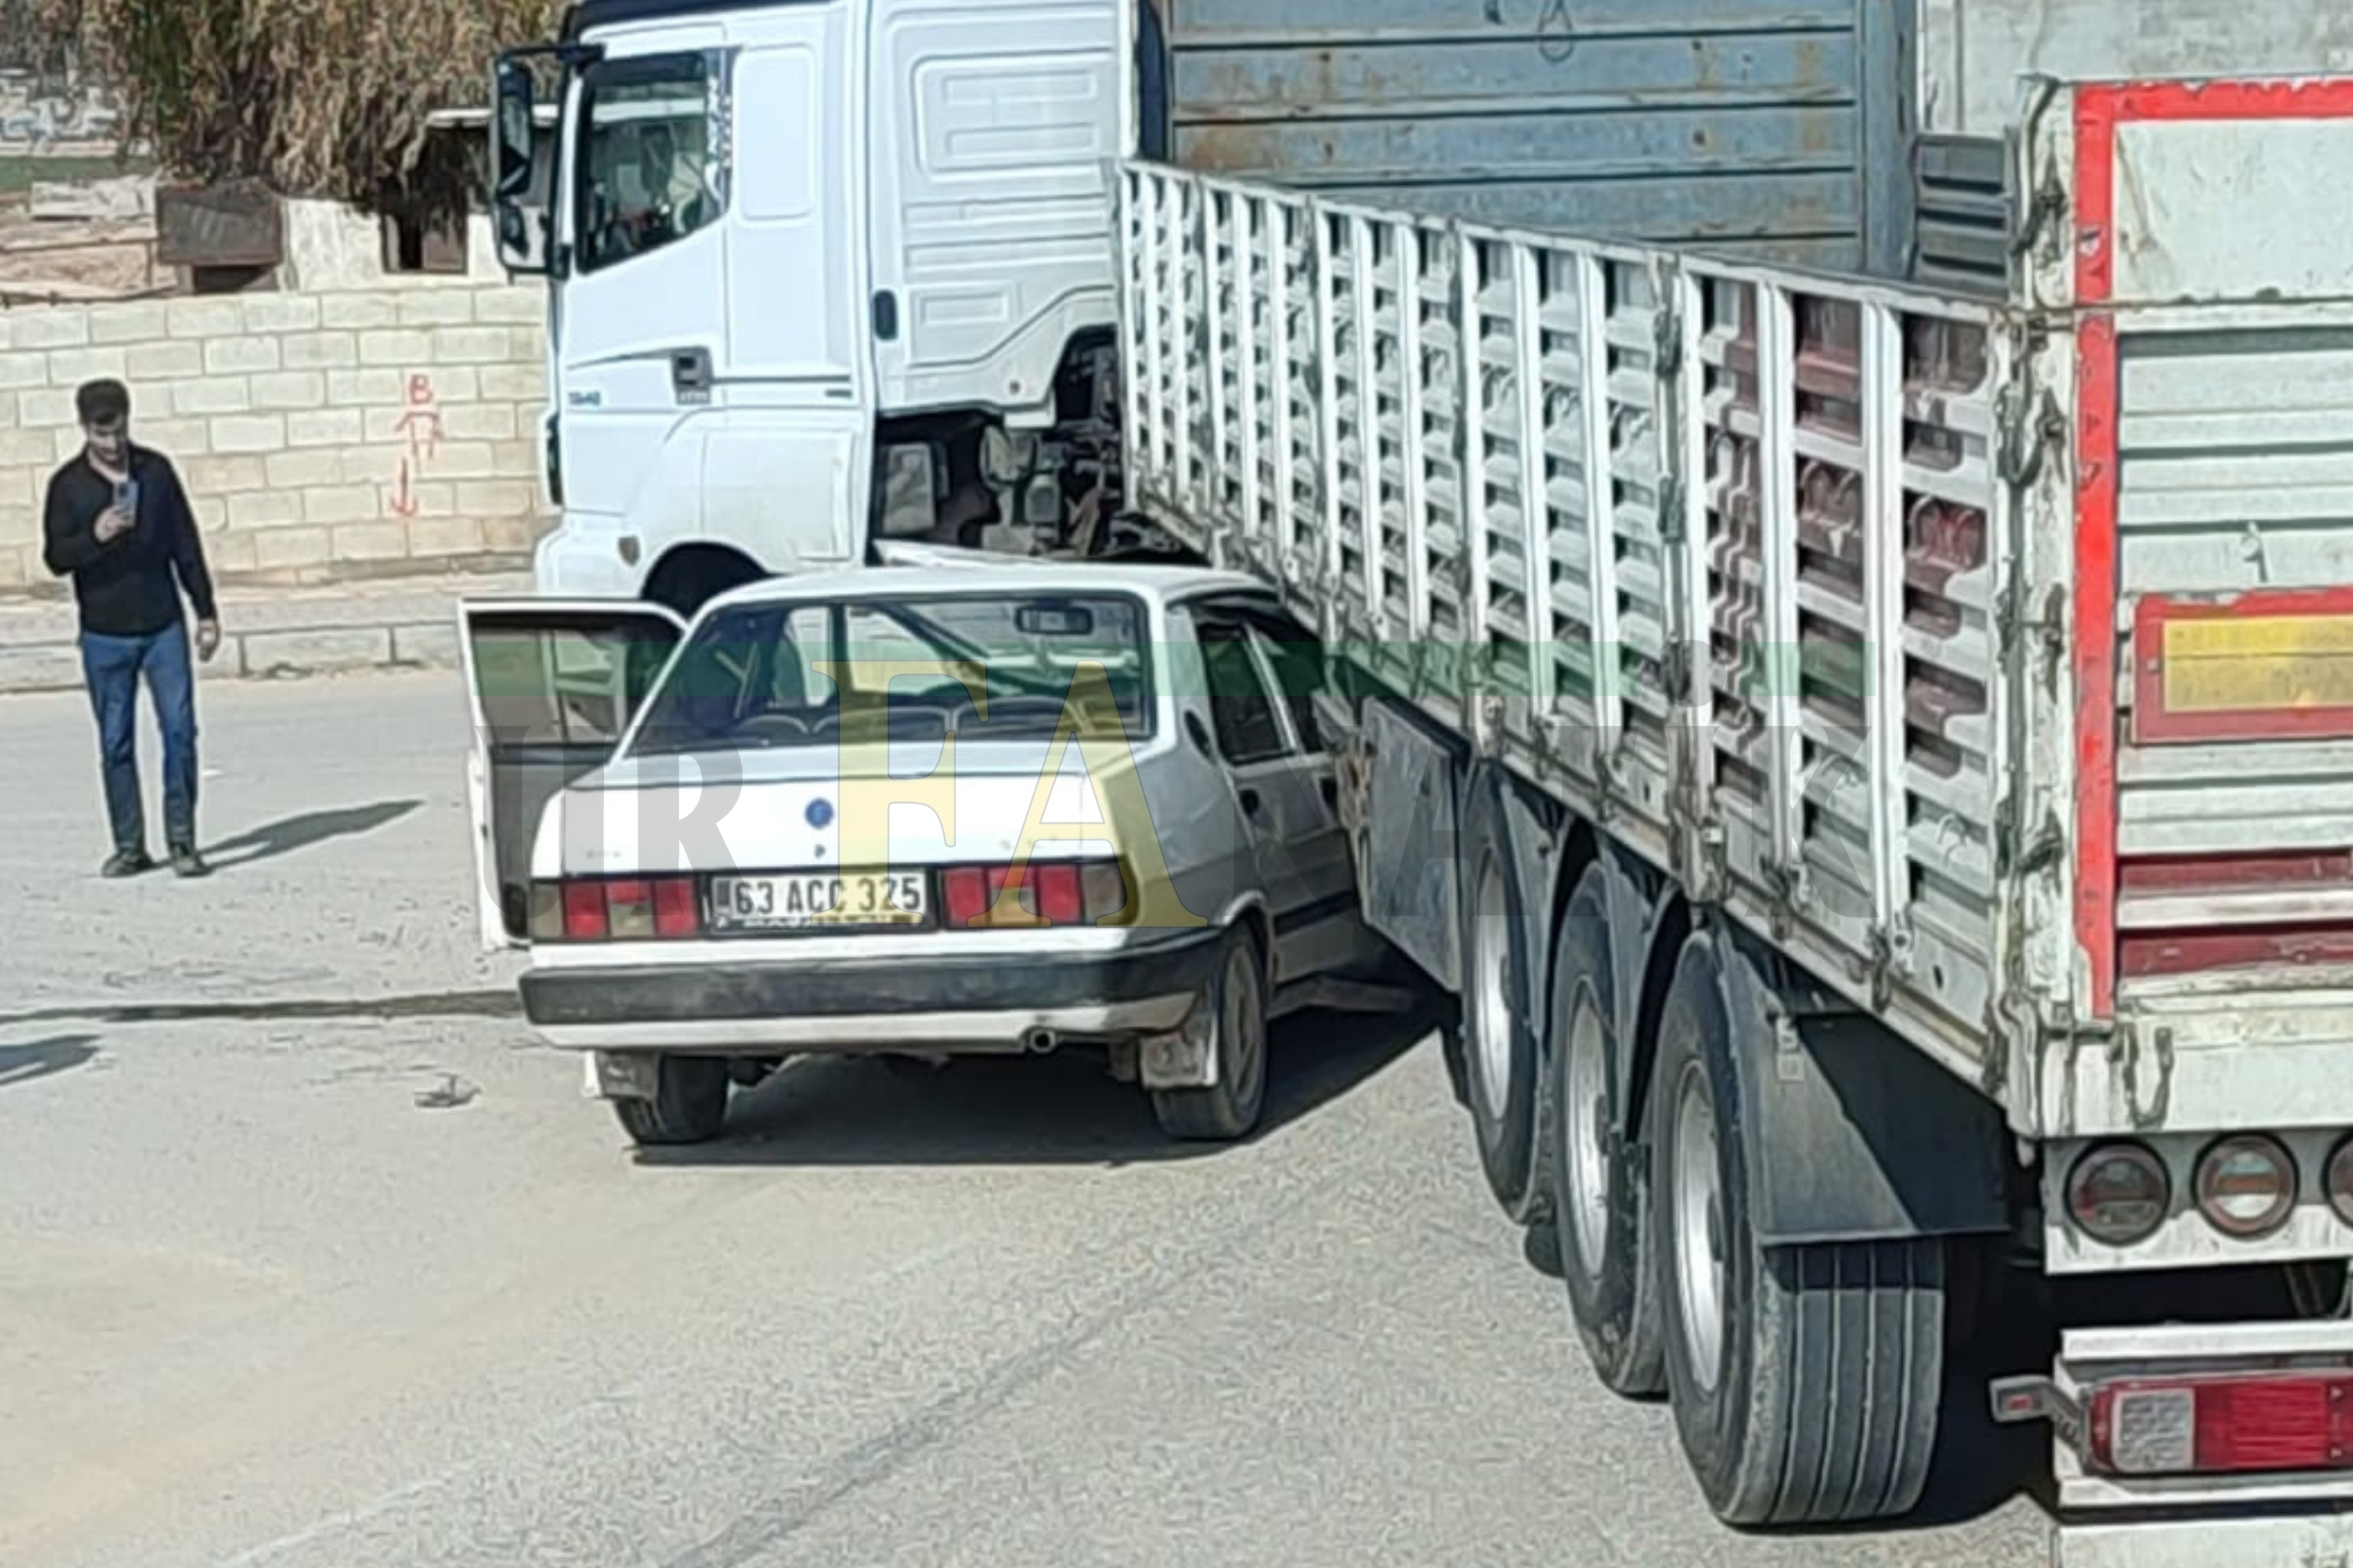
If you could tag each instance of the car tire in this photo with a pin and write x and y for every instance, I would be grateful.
(1805, 1380)
(1228, 1108)
(1502, 1066)
(689, 1106)
(1601, 1190)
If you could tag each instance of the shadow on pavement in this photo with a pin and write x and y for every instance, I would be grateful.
(59, 1053)
(292, 833)
(1014, 1110)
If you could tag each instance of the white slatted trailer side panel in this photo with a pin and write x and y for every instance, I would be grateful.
(1578, 479)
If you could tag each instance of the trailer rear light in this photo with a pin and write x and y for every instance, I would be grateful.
(2264, 1422)
(2118, 1193)
(2341, 1181)
(2246, 1185)
(1046, 894)
(627, 909)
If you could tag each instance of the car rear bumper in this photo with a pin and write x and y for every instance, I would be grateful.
(967, 1004)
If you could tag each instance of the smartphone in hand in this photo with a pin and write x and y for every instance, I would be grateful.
(126, 497)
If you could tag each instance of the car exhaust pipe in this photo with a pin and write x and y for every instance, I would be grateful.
(1040, 1042)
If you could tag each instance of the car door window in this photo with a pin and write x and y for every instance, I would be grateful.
(1241, 708)
(1298, 666)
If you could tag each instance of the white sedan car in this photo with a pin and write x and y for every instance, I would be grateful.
(925, 811)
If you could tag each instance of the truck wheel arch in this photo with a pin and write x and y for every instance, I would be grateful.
(1852, 1136)
(687, 576)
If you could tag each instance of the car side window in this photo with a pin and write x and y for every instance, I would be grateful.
(1241, 710)
(1298, 665)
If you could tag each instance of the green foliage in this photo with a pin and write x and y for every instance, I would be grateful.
(325, 98)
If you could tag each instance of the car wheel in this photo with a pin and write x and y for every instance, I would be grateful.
(1229, 1108)
(689, 1106)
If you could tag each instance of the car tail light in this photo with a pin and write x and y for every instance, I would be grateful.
(2118, 1193)
(1047, 894)
(626, 909)
(2295, 1421)
(2246, 1185)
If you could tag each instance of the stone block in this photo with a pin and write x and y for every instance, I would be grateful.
(358, 312)
(175, 437)
(304, 389)
(510, 306)
(453, 383)
(395, 346)
(496, 497)
(426, 645)
(224, 475)
(210, 511)
(249, 433)
(278, 549)
(280, 312)
(348, 388)
(291, 470)
(13, 563)
(514, 383)
(419, 498)
(46, 326)
(65, 440)
(319, 351)
(71, 367)
(437, 308)
(40, 667)
(21, 491)
(165, 359)
(473, 345)
(480, 422)
(461, 460)
(212, 316)
(317, 651)
(267, 512)
(432, 536)
(207, 393)
(9, 403)
(230, 553)
(517, 460)
(45, 407)
(23, 368)
(30, 449)
(324, 427)
(341, 503)
(369, 541)
(240, 356)
(132, 321)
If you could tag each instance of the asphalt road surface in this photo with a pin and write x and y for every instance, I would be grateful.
(262, 1306)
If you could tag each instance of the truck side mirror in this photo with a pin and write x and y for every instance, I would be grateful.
(511, 129)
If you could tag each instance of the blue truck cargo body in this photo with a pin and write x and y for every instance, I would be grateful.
(1765, 126)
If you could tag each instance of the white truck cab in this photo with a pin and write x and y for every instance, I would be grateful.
(790, 243)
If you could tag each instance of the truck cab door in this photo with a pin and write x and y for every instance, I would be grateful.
(554, 683)
(642, 335)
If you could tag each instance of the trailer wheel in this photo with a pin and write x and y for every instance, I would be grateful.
(689, 1106)
(1503, 1067)
(1600, 1198)
(1805, 1380)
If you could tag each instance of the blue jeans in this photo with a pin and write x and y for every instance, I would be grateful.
(113, 666)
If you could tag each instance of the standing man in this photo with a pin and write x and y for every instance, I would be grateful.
(118, 523)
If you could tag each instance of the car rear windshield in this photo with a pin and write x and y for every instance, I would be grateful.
(984, 667)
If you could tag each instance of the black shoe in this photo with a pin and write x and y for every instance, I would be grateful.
(187, 862)
(126, 863)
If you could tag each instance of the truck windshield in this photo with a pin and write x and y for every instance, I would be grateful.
(650, 169)
(753, 677)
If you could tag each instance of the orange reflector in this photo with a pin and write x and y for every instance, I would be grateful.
(2261, 667)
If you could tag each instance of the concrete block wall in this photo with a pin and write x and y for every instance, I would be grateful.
(321, 436)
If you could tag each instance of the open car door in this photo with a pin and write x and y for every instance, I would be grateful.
(553, 682)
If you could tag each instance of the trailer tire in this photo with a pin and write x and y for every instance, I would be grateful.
(1228, 1108)
(1805, 1380)
(1601, 1190)
(1502, 1064)
(689, 1106)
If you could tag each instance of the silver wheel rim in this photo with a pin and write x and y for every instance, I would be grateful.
(1699, 1230)
(1491, 997)
(1589, 1100)
(1245, 1061)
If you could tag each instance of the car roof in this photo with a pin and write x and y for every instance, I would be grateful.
(1158, 583)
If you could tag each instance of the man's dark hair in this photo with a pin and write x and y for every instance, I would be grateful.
(104, 402)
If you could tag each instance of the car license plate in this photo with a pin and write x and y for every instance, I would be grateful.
(817, 899)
